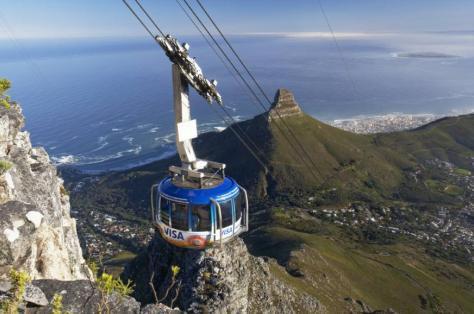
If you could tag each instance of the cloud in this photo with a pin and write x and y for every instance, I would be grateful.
(323, 35)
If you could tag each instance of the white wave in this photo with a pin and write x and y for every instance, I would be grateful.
(116, 129)
(64, 160)
(220, 128)
(81, 160)
(100, 147)
(102, 139)
(145, 161)
(143, 126)
(137, 149)
(234, 109)
(128, 139)
(167, 139)
(153, 130)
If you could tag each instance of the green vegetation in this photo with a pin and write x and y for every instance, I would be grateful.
(383, 276)
(295, 220)
(409, 171)
(19, 280)
(4, 99)
(453, 190)
(175, 269)
(5, 166)
(462, 172)
(108, 285)
(57, 304)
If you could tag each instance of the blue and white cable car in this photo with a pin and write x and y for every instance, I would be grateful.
(197, 218)
(197, 205)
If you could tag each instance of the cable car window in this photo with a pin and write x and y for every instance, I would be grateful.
(239, 206)
(200, 218)
(179, 216)
(226, 209)
(165, 210)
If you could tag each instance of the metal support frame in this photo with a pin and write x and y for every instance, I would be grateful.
(246, 225)
(152, 199)
(219, 214)
(191, 167)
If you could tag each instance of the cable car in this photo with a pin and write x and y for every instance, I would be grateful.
(196, 206)
(197, 218)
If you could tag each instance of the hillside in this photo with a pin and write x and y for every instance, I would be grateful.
(348, 166)
(398, 203)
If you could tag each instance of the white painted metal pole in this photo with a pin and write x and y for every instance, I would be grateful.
(182, 111)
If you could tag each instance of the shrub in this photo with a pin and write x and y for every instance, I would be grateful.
(19, 280)
(4, 99)
(5, 103)
(5, 166)
(4, 85)
(57, 304)
(108, 285)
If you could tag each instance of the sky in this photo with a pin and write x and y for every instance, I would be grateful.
(98, 18)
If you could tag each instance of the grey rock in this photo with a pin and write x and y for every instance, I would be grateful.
(159, 309)
(284, 105)
(215, 280)
(211, 280)
(34, 295)
(5, 285)
(364, 306)
(52, 249)
(81, 296)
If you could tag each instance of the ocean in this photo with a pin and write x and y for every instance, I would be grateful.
(105, 103)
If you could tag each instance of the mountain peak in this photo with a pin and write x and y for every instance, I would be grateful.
(284, 105)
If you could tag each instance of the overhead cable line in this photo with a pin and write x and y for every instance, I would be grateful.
(152, 35)
(230, 72)
(139, 19)
(223, 108)
(149, 17)
(338, 47)
(258, 86)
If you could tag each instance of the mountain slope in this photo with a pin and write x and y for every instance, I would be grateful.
(371, 227)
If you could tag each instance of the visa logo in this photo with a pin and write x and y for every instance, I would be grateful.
(175, 234)
(227, 231)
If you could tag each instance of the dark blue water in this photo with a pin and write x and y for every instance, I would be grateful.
(106, 103)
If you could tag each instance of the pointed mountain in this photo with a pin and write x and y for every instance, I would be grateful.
(301, 153)
(284, 105)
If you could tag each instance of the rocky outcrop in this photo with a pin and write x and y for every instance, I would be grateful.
(284, 105)
(216, 280)
(78, 296)
(37, 233)
(81, 296)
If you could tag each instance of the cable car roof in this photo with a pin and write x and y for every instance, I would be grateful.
(228, 189)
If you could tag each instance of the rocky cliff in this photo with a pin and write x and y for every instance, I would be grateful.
(284, 105)
(37, 233)
(223, 279)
